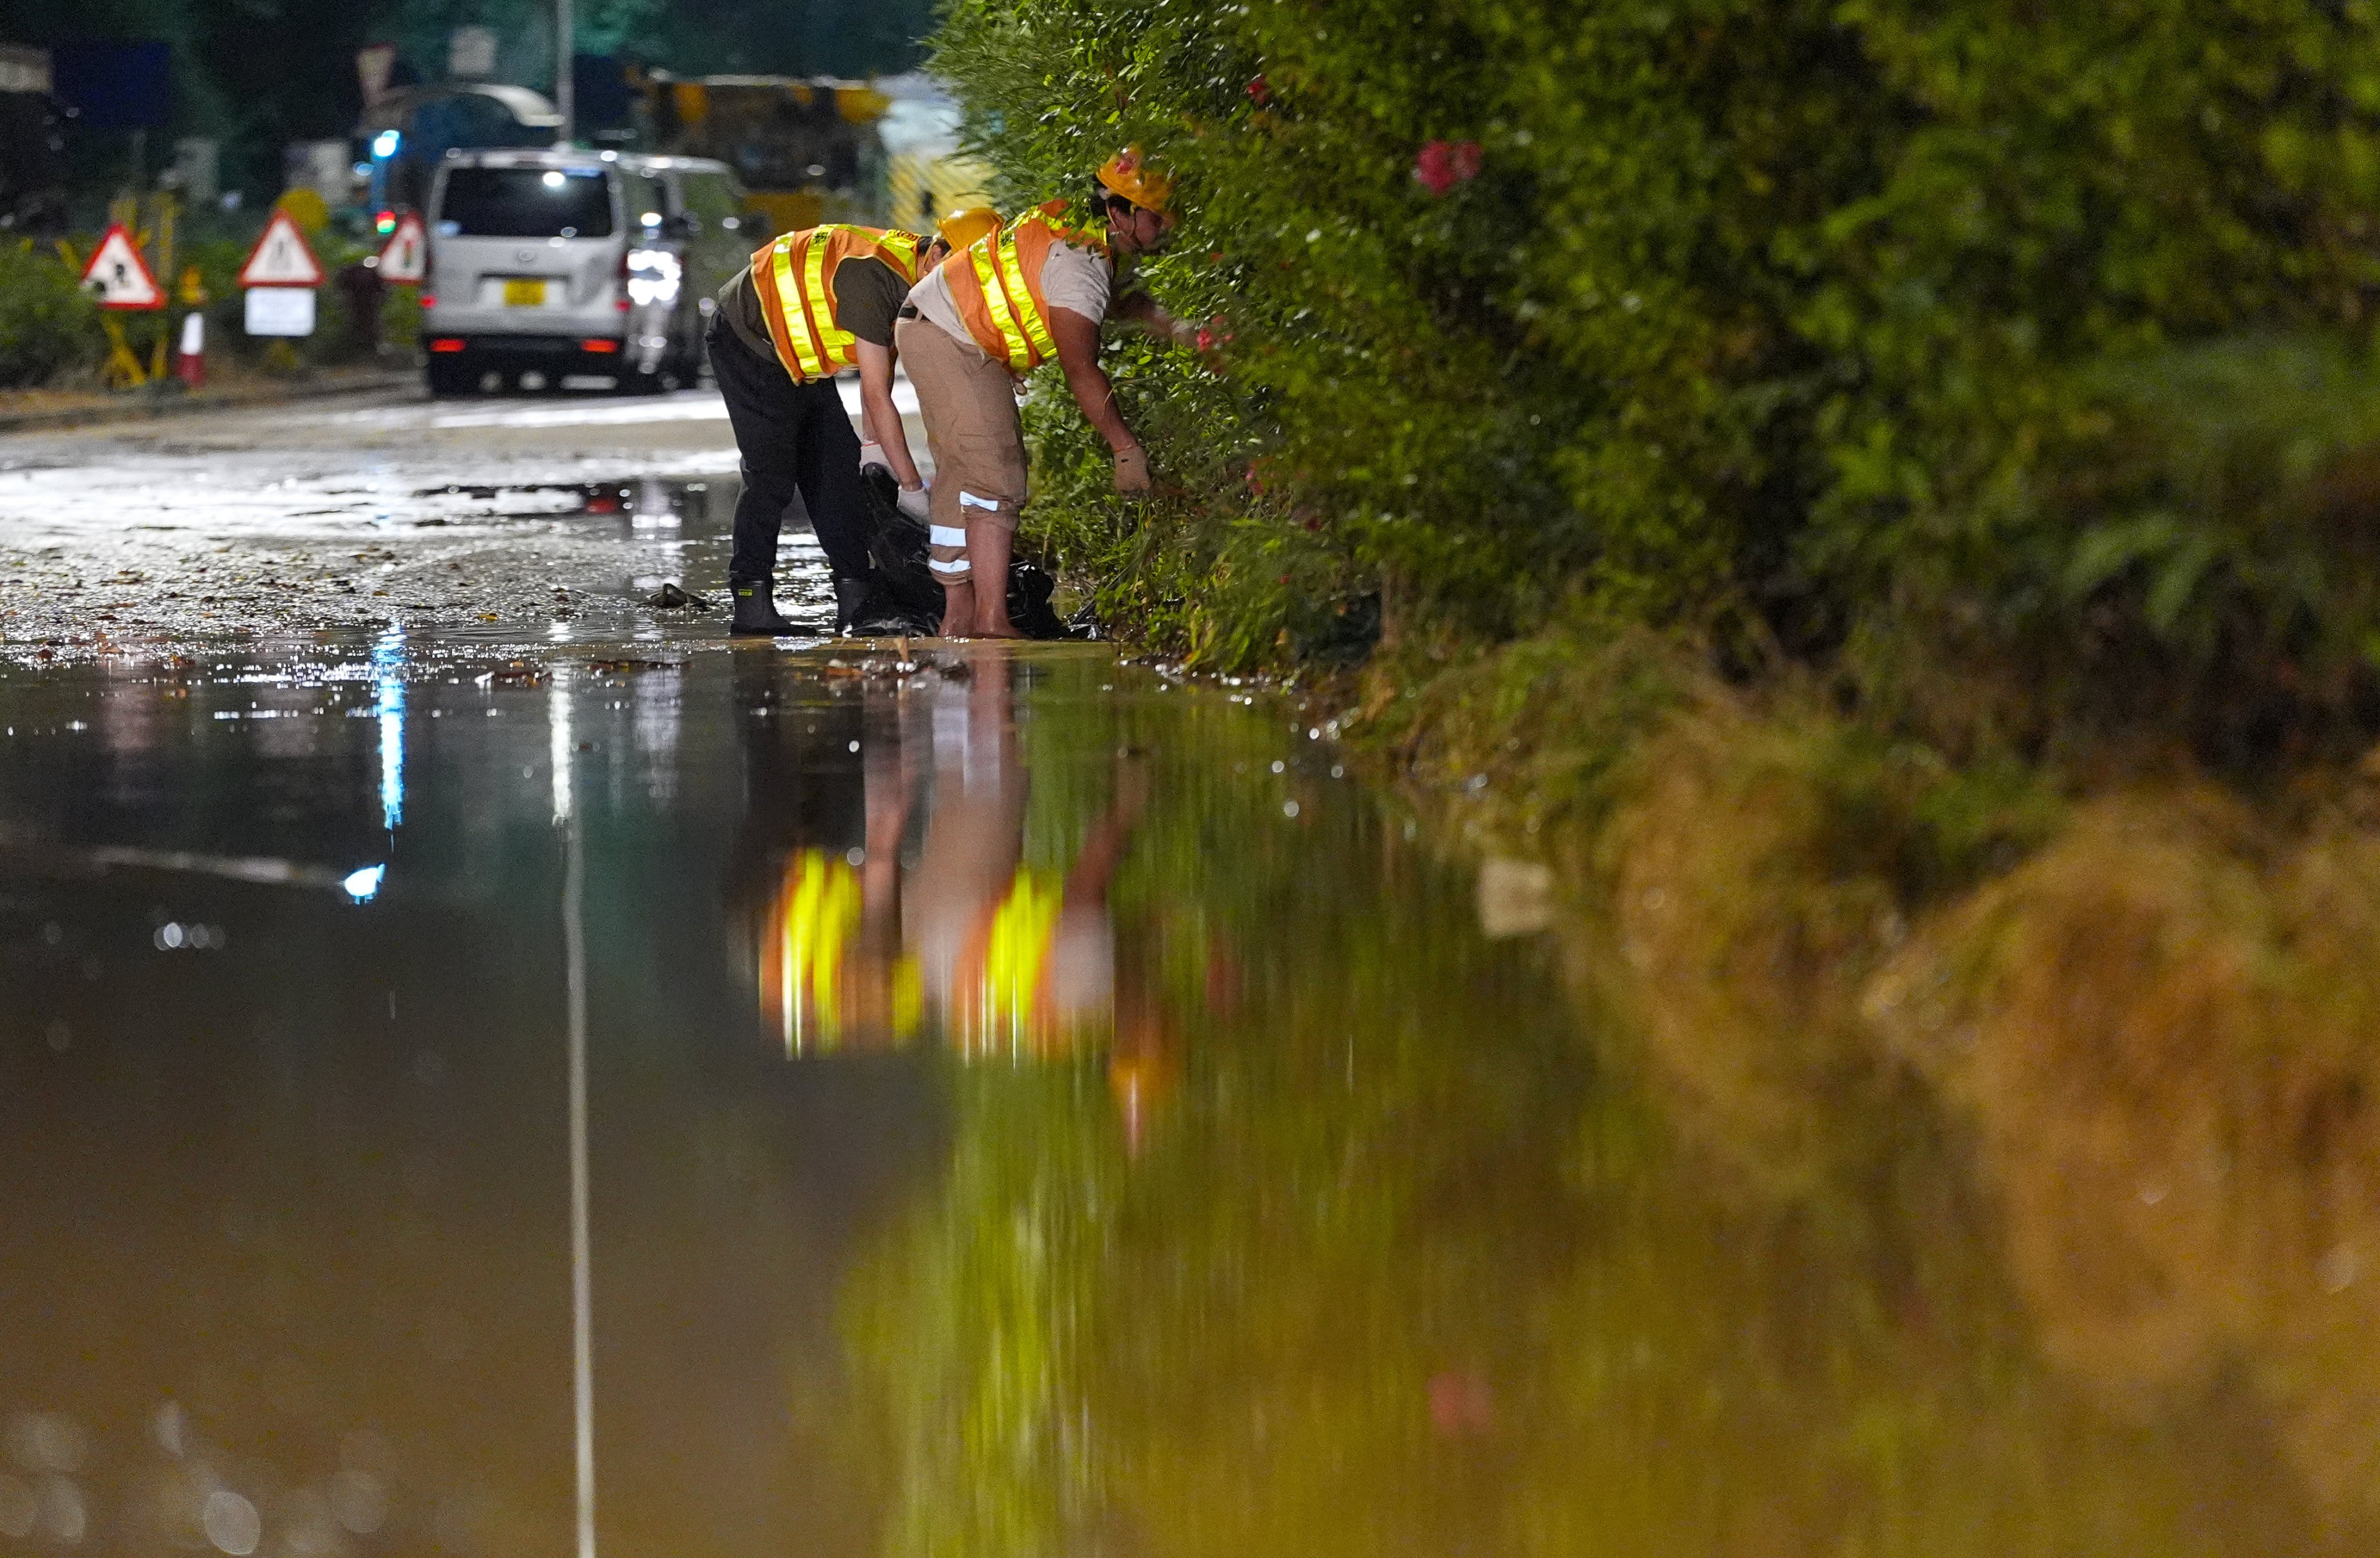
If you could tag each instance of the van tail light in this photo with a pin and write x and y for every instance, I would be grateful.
(446, 344)
(600, 346)
(621, 303)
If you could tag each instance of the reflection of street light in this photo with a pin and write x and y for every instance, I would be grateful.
(388, 669)
(560, 742)
(574, 949)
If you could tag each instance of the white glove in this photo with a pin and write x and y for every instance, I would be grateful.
(872, 453)
(913, 503)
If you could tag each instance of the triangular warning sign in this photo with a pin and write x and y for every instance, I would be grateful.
(281, 258)
(118, 275)
(405, 260)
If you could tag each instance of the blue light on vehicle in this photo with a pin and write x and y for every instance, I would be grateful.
(364, 885)
(385, 143)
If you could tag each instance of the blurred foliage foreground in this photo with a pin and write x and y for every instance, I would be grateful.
(1881, 497)
(1365, 1235)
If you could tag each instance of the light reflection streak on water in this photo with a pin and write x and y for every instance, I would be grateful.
(559, 745)
(388, 667)
(656, 705)
(582, 1283)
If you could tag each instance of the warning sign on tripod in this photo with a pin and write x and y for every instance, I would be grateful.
(404, 258)
(281, 275)
(119, 277)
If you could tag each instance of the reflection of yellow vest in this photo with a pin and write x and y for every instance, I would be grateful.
(1001, 1000)
(805, 946)
(795, 279)
(1000, 1004)
(1016, 950)
(802, 947)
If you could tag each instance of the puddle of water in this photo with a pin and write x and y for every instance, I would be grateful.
(656, 501)
(1027, 1110)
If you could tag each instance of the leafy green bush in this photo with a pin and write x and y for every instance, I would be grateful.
(2189, 553)
(1837, 314)
(47, 325)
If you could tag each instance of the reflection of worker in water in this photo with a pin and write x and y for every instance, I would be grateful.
(1005, 957)
(827, 827)
(805, 812)
(1011, 959)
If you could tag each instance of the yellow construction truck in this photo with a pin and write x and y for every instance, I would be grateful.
(820, 149)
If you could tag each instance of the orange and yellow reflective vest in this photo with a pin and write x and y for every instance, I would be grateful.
(795, 279)
(1000, 1002)
(996, 282)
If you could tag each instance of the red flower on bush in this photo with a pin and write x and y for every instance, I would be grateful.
(1259, 91)
(1443, 164)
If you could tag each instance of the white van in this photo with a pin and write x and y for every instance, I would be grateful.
(548, 265)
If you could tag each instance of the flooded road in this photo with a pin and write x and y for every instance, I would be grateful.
(466, 515)
(462, 1078)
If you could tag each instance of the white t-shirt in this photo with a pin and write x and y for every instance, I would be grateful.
(1073, 279)
(1077, 281)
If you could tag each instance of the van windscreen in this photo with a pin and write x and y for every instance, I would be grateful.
(525, 202)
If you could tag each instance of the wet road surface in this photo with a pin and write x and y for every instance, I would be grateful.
(457, 514)
(984, 1102)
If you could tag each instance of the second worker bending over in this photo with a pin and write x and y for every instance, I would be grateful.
(975, 325)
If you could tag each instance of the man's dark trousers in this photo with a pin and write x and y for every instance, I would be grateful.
(794, 438)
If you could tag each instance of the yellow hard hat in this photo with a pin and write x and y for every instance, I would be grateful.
(962, 228)
(1128, 174)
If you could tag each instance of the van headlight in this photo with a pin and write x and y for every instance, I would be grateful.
(653, 276)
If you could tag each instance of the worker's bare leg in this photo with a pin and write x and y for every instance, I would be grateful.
(958, 610)
(987, 549)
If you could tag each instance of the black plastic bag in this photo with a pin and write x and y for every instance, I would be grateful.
(906, 586)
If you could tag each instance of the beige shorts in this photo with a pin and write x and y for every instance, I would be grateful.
(968, 404)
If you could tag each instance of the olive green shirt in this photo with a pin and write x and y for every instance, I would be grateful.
(868, 297)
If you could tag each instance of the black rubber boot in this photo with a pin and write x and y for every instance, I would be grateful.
(755, 610)
(852, 597)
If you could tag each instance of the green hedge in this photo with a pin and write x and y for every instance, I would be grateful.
(47, 325)
(1953, 336)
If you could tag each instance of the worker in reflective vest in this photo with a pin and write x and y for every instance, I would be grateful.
(811, 305)
(1035, 291)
